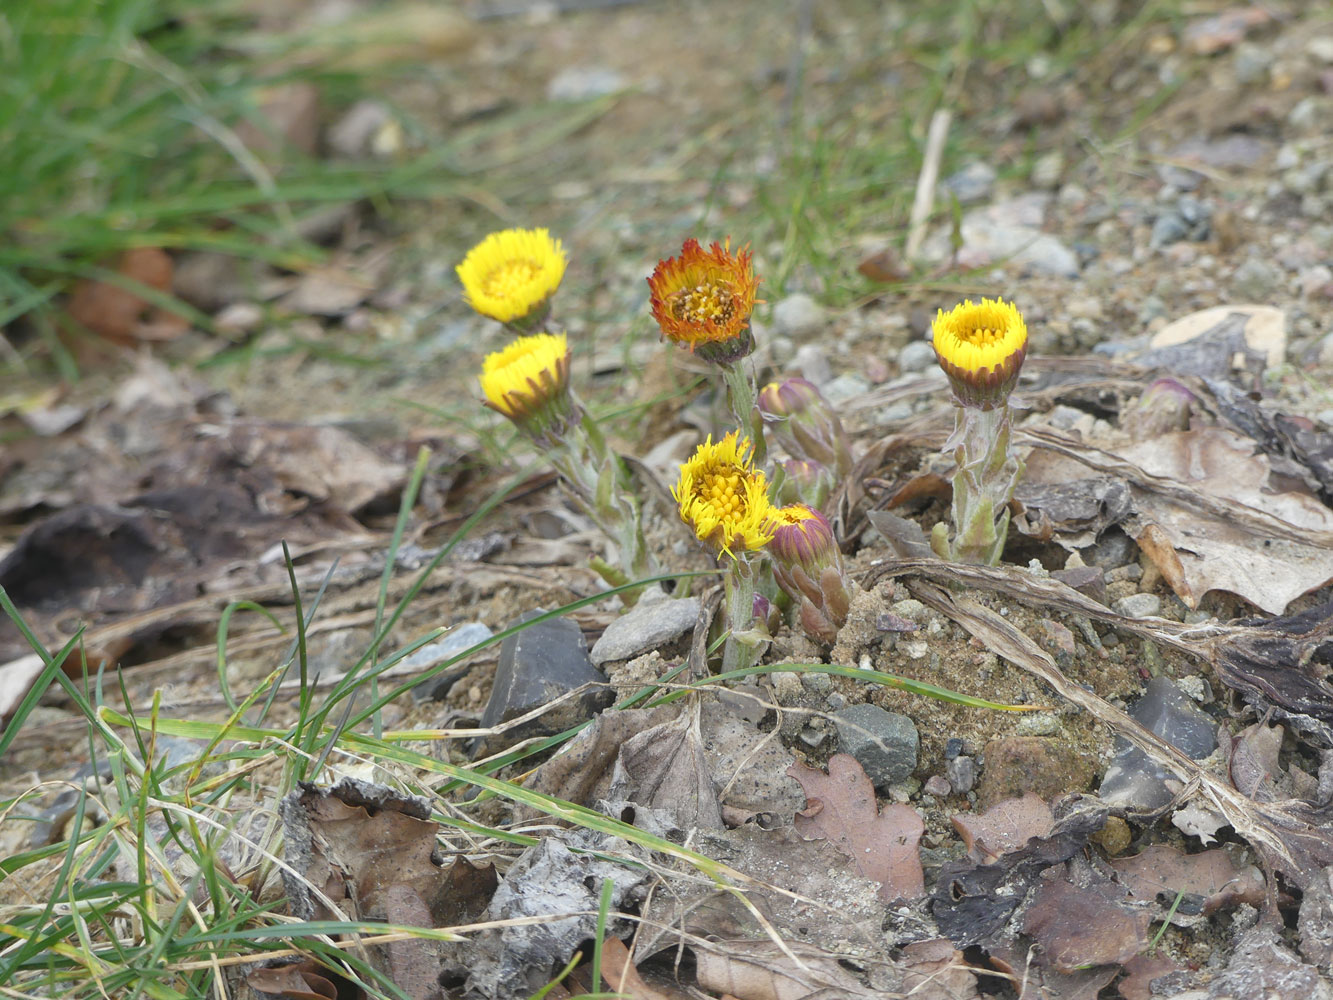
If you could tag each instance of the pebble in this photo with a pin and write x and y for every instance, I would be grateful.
(813, 364)
(938, 786)
(536, 667)
(1132, 780)
(1251, 62)
(1305, 115)
(973, 183)
(1018, 764)
(1255, 279)
(352, 135)
(240, 317)
(1321, 48)
(884, 743)
(1038, 724)
(962, 774)
(1325, 350)
(646, 626)
(1138, 606)
(917, 356)
(1315, 279)
(459, 638)
(798, 316)
(1114, 548)
(844, 388)
(583, 83)
(1047, 170)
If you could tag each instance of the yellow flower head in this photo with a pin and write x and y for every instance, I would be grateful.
(981, 348)
(528, 382)
(703, 299)
(511, 275)
(723, 499)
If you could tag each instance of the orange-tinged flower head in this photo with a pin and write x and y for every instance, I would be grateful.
(511, 275)
(981, 347)
(723, 499)
(703, 299)
(528, 382)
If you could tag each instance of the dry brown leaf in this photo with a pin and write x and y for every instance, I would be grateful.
(1212, 876)
(759, 970)
(936, 970)
(117, 313)
(1205, 494)
(620, 976)
(1140, 971)
(1082, 925)
(1004, 827)
(842, 809)
(1034, 981)
(304, 980)
(1254, 765)
(665, 768)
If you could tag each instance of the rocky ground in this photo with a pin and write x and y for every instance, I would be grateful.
(1115, 173)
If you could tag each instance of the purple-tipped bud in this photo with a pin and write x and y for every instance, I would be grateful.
(1163, 408)
(807, 565)
(805, 424)
(806, 482)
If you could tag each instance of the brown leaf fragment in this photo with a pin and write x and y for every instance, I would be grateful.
(1082, 925)
(759, 970)
(1210, 880)
(1254, 761)
(972, 903)
(1004, 827)
(620, 976)
(665, 768)
(884, 267)
(1082, 508)
(1140, 971)
(305, 980)
(117, 313)
(842, 809)
(1156, 545)
(936, 970)
(1035, 981)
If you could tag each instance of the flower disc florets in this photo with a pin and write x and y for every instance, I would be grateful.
(703, 300)
(511, 275)
(981, 348)
(528, 382)
(723, 499)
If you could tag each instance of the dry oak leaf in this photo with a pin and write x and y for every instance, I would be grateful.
(843, 810)
(1082, 925)
(1210, 880)
(1004, 827)
(759, 970)
(117, 312)
(620, 976)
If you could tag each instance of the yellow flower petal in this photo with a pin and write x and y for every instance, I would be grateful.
(981, 347)
(704, 298)
(513, 273)
(723, 499)
(529, 377)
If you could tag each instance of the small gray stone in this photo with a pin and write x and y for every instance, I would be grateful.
(798, 316)
(351, 136)
(1133, 780)
(537, 666)
(583, 83)
(845, 387)
(1321, 47)
(812, 362)
(938, 786)
(437, 687)
(917, 356)
(1255, 279)
(1325, 350)
(962, 773)
(1138, 606)
(1038, 724)
(1251, 62)
(1169, 227)
(1114, 548)
(646, 626)
(1314, 279)
(884, 743)
(973, 183)
(1305, 115)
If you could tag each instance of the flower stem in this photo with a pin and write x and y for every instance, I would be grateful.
(740, 581)
(987, 473)
(742, 398)
(595, 475)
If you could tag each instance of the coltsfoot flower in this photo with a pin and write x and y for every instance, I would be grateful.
(528, 382)
(981, 347)
(807, 565)
(703, 300)
(511, 275)
(723, 499)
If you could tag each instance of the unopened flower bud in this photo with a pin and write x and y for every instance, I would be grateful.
(807, 565)
(1163, 408)
(805, 424)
